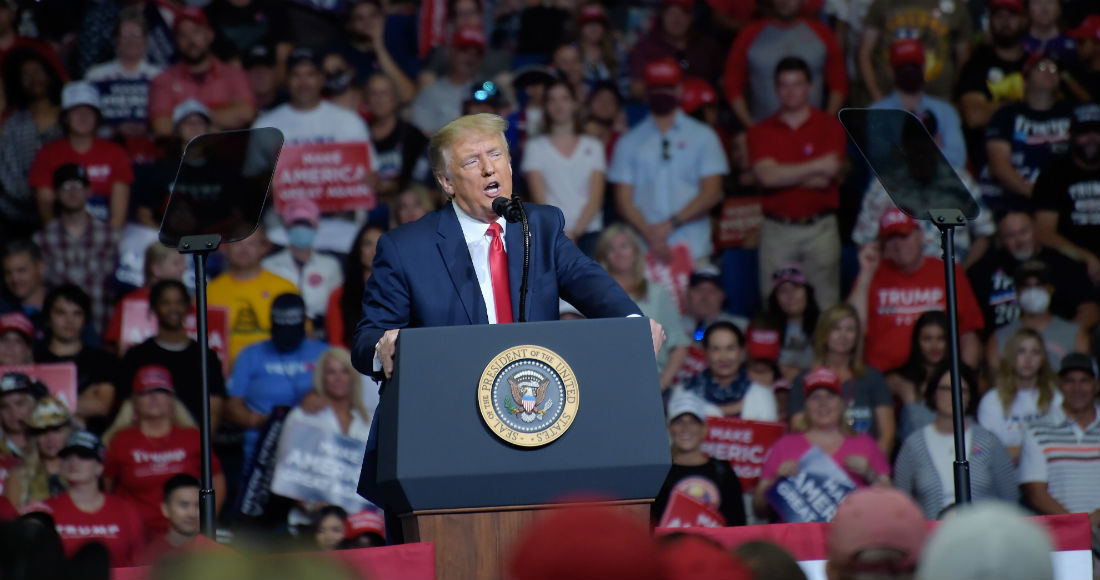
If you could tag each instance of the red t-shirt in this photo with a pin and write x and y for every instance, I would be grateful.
(223, 85)
(160, 548)
(105, 162)
(7, 511)
(773, 139)
(116, 524)
(895, 300)
(139, 466)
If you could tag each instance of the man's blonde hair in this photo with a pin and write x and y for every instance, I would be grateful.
(481, 123)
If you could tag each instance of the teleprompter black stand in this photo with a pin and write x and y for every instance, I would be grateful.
(218, 195)
(924, 186)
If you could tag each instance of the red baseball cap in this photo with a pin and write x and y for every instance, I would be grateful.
(696, 93)
(1089, 28)
(190, 14)
(821, 378)
(894, 222)
(469, 38)
(663, 72)
(18, 322)
(763, 344)
(152, 378)
(876, 517)
(368, 521)
(301, 210)
(1011, 5)
(692, 556)
(906, 51)
(592, 13)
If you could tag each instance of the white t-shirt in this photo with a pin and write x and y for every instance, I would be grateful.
(567, 178)
(315, 280)
(325, 123)
(326, 420)
(941, 450)
(113, 71)
(759, 404)
(1010, 428)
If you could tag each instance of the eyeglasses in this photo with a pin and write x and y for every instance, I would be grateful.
(665, 155)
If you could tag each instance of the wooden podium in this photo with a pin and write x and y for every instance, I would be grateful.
(474, 542)
(451, 476)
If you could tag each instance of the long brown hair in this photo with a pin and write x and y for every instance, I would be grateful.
(546, 123)
(1046, 382)
(825, 324)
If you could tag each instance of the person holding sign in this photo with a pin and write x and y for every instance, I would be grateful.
(704, 479)
(856, 453)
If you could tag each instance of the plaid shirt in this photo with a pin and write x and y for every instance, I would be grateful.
(87, 261)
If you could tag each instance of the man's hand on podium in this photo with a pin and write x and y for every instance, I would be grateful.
(655, 329)
(385, 348)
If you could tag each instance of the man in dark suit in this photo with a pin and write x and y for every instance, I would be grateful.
(450, 267)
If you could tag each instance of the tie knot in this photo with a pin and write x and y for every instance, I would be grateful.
(494, 230)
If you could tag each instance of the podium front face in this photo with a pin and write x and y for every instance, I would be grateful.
(522, 414)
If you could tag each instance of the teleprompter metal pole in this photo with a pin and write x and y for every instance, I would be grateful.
(946, 221)
(200, 247)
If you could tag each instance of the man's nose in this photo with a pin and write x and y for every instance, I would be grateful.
(487, 168)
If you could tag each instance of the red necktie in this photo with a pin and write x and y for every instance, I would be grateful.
(498, 270)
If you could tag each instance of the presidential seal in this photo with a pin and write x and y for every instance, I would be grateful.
(528, 396)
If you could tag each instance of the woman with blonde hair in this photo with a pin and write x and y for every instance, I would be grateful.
(1025, 388)
(152, 439)
(826, 428)
(620, 251)
(39, 477)
(838, 345)
(339, 387)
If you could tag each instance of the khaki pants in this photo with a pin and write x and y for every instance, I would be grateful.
(815, 247)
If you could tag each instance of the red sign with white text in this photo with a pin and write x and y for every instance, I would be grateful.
(59, 378)
(745, 444)
(739, 223)
(138, 325)
(672, 275)
(685, 511)
(334, 175)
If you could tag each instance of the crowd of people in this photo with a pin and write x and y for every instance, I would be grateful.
(655, 126)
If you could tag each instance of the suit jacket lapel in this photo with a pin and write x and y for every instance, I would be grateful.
(456, 258)
(513, 240)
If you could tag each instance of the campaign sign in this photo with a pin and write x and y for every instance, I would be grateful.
(314, 465)
(739, 223)
(814, 493)
(745, 444)
(59, 378)
(685, 511)
(124, 100)
(138, 325)
(672, 275)
(334, 175)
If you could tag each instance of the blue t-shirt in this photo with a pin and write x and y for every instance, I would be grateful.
(266, 378)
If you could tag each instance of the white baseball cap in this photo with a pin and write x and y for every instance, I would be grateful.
(682, 402)
(189, 107)
(79, 93)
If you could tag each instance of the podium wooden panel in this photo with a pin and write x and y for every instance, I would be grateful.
(473, 542)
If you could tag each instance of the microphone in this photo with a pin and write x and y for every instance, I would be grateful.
(509, 209)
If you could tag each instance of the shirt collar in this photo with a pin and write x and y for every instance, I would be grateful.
(472, 229)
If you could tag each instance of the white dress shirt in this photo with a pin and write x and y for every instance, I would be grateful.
(477, 241)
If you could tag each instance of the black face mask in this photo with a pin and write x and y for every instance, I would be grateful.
(909, 78)
(662, 103)
(337, 84)
(1087, 154)
(1009, 40)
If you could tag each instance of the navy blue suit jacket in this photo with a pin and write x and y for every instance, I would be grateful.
(423, 276)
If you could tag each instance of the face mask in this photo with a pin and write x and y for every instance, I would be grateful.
(1034, 300)
(337, 84)
(301, 236)
(909, 78)
(662, 103)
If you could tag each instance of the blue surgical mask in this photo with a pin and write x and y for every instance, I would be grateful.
(301, 236)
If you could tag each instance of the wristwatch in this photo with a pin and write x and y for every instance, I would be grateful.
(675, 222)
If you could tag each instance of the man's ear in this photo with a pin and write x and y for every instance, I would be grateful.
(446, 184)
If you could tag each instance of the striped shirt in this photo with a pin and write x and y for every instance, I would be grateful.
(1058, 451)
(991, 471)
